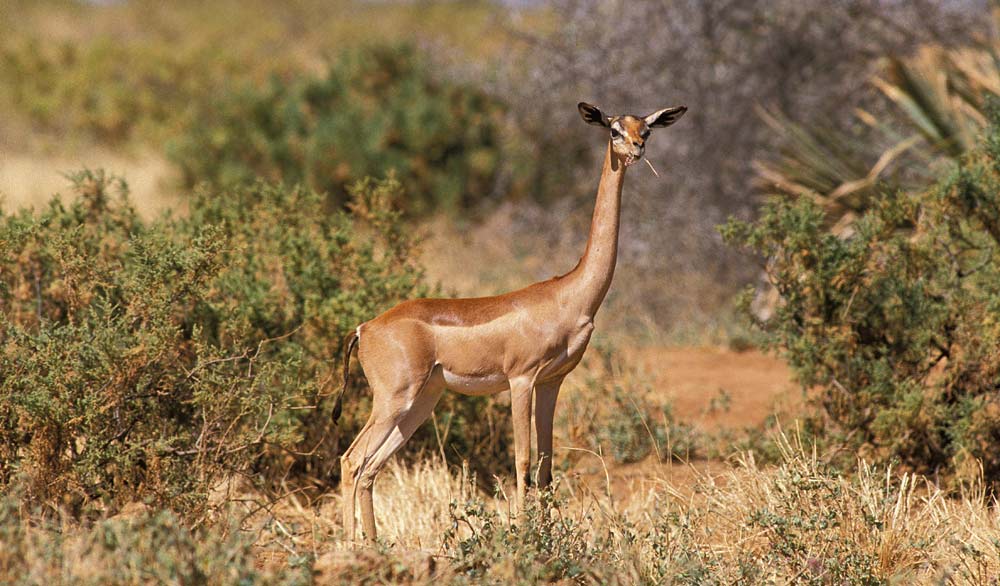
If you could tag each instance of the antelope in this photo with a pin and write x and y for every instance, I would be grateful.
(525, 341)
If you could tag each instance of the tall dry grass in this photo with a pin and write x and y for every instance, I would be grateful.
(797, 522)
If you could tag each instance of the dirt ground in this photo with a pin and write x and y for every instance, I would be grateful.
(717, 388)
(710, 388)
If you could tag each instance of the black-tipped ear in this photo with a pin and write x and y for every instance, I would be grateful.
(665, 117)
(593, 115)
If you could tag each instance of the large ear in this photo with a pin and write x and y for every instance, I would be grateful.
(593, 115)
(665, 117)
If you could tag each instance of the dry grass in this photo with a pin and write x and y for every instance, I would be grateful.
(797, 522)
(908, 528)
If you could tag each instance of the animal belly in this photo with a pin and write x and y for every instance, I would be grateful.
(488, 384)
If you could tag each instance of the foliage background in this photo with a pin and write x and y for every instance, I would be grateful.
(896, 323)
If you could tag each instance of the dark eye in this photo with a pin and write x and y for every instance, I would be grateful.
(615, 133)
(645, 134)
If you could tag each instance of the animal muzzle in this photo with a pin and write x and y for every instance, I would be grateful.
(633, 156)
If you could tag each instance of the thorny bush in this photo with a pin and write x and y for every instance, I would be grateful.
(895, 323)
(148, 360)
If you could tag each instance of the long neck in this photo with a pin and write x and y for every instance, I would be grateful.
(597, 267)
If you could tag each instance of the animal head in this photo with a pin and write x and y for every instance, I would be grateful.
(629, 133)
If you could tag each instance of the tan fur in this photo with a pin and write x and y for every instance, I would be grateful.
(634, 128)
(526, 341)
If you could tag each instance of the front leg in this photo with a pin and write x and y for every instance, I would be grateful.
(520, 404)
(546, 394)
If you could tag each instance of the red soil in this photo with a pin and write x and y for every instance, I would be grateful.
(716, 388)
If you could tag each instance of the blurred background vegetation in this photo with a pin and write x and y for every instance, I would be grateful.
(278, 172)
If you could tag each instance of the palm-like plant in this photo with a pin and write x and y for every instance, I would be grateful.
(827, 166)
(938, 98)
(941, 93)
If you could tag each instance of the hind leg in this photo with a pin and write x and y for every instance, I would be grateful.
(389, 430)
(348, 470)
(406, 424)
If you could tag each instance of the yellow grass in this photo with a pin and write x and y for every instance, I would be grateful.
(798, 521)
(906, 528)
(911, 531)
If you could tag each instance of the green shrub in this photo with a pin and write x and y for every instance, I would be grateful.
(109, 91)
(895, 322)
(148, 360)
(151, 360)
(142, 548)
(377, 109)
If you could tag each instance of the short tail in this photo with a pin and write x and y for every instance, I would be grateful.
(349, 345)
